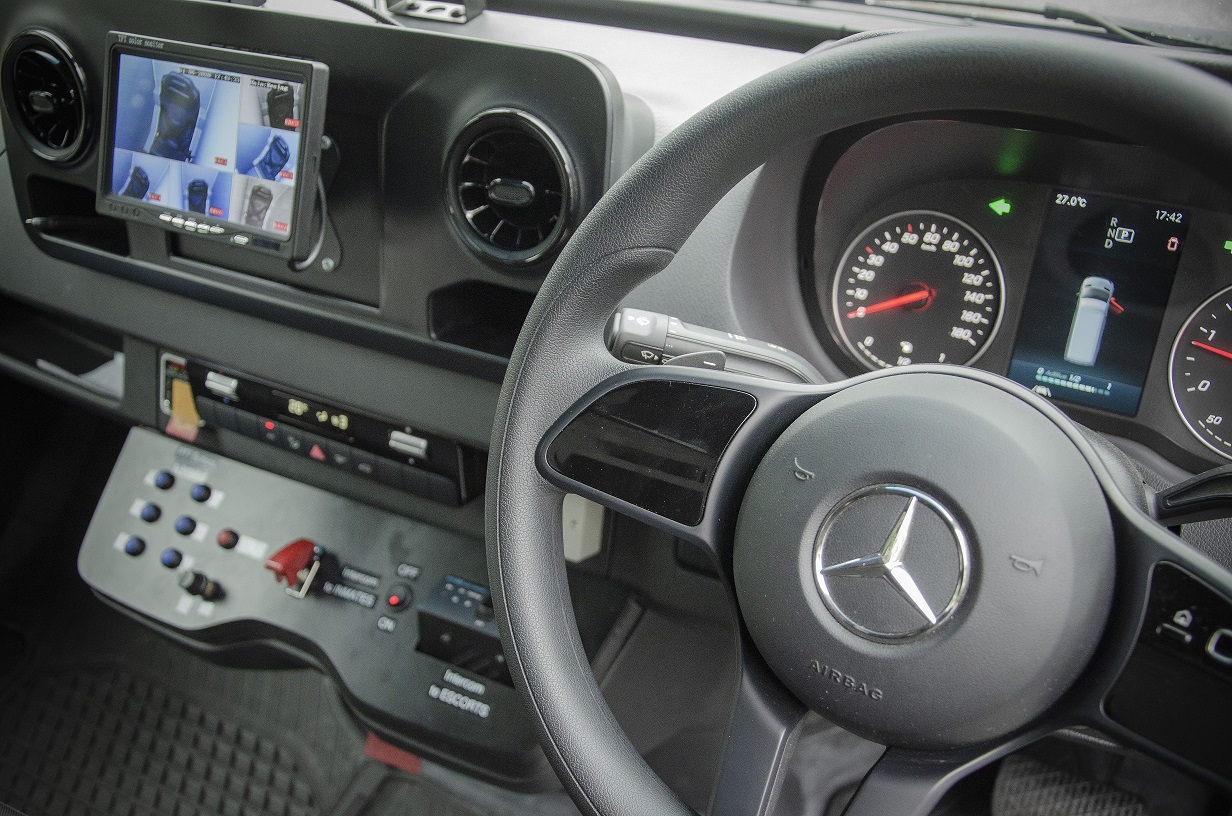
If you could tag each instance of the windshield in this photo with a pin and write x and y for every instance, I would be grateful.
(1200, 21)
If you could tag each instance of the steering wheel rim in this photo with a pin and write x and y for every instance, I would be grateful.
(635, 231)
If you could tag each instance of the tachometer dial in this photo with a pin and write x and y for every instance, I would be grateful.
(917, 287)
(1201, 373)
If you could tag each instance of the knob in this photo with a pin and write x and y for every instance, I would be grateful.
(195, 583)
(227, 539)
(185, 525)
(151, 512)
(200, 492)
(171, 558)
(163, 480)
(135, 545)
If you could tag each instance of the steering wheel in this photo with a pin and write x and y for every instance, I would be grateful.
(932, 557)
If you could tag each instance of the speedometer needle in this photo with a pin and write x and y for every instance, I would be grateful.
(892, 303)
(1204, 347)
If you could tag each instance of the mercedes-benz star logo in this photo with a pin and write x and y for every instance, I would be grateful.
(924, 562)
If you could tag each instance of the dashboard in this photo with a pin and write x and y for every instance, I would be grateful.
(293, 249)
(1018, 252)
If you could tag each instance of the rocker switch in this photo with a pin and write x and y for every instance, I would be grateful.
(222, 385)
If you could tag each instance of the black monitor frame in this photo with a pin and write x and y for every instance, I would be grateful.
(312, 76)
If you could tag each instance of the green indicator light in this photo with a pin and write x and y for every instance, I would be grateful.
(1002, 207)
(1227, 245)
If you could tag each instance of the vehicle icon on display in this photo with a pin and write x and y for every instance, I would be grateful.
(1086, 332)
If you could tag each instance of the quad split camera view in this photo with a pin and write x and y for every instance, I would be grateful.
(203, 140)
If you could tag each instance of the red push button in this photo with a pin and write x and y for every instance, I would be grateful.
(399, 597)
(287, 563)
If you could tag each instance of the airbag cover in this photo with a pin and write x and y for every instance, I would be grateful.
(1002, 491)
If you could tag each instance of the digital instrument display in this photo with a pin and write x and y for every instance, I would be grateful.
(212, 142)
(1101, 278)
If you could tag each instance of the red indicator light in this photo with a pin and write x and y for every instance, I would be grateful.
(394, 600)
(269, 425)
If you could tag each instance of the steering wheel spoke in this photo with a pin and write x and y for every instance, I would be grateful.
(672, 447)
(765, 720)
(1161, 681)
(912, 783)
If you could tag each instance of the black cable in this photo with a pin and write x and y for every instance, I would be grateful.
(300, 266)
(377, 12)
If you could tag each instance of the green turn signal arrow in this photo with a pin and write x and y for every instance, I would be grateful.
(1000, 206)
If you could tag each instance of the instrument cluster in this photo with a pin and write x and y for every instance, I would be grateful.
(1035, 256)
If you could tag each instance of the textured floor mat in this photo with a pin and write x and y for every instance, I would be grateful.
(106, 742)
(1026, 787)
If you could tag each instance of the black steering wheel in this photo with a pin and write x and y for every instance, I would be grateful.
(932, 557)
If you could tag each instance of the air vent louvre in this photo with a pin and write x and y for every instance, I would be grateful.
(44, 90)
(510, 187)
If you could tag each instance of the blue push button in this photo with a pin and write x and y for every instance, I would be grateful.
(200, 492)
(163, 480)
(171, 558)
(151, 512)
(185, 525)
(134, 546)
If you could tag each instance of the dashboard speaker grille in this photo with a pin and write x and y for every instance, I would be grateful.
(510, 187)
(44, 90)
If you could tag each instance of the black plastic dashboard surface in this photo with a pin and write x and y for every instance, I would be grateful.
(391, 121)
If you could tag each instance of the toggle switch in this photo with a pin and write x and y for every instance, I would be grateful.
(291, 560)
(303, 565)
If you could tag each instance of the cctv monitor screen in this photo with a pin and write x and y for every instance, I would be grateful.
(212, 142)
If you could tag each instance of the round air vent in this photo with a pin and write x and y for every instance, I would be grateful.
(511, 187)
(44, 91)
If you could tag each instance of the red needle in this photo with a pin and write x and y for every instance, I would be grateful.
(1205, 347)
(892, 303)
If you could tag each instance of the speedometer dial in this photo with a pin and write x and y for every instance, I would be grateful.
(1201, 373)
(917, 287)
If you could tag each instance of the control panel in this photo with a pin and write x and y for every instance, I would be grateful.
(396, 455)
(1185, 644)
(224, 554)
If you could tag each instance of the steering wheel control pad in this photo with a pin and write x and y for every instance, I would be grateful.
(921, 606)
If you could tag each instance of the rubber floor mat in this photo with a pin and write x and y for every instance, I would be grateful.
(106, 742)
(1026, 787)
